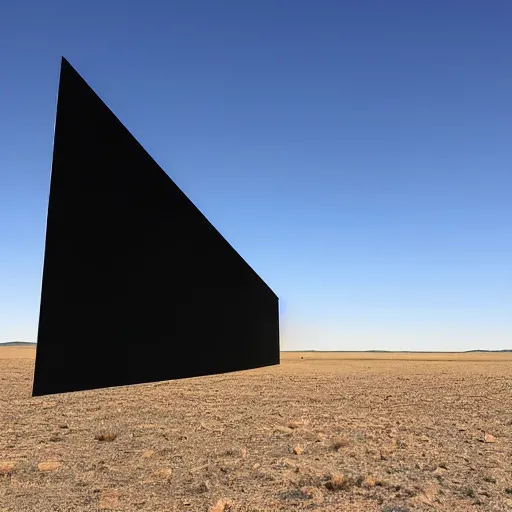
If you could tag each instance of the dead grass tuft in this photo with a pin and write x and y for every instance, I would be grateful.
(109, 500)
(313, 493)
(340, 442)
(337, 482)
(165, 473)
(367, 482)
(222, 505)
(106, 436)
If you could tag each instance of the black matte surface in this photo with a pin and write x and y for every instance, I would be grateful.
(138, 286)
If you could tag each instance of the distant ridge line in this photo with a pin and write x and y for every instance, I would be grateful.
(17, 343)
(30, 343)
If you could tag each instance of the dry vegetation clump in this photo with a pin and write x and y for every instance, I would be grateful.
(313, 493)
(343, 481)
(337, 482)
(340, 442)
(109, 500)
(369, 481)
(105, 436)
(222, 505)
(165, 473)
(297, 424)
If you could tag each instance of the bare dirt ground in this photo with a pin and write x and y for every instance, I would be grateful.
(322, 432)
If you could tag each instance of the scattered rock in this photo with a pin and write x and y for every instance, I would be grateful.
(256, 466)
(320, 437)
(106, 436)
(336, 482)
(298, 449)
(424, 438)
(109, 500)
(49, 466)
(243, 453)
(369, 481)
(222, 505)
(165, 473)
(284, 430)
(439, 471)
(6, 467)
(146, 454)
(489, 438)
(340, 442)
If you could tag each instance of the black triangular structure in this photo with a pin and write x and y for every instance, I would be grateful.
(138, 286)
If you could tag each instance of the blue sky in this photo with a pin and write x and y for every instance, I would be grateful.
(357, 154)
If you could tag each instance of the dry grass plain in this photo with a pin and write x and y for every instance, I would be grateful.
(323, 432)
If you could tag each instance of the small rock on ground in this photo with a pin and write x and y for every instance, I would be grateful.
(49, 466)
(109, 500)
(6, 467)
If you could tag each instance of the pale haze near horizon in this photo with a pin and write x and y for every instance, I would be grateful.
(356, 154)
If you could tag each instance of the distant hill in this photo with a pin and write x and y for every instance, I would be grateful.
(18, 344)
(32, 344)
(504, 350)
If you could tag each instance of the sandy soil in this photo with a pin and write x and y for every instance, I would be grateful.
(323, 432)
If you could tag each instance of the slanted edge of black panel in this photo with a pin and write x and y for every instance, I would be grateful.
(39, 350)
